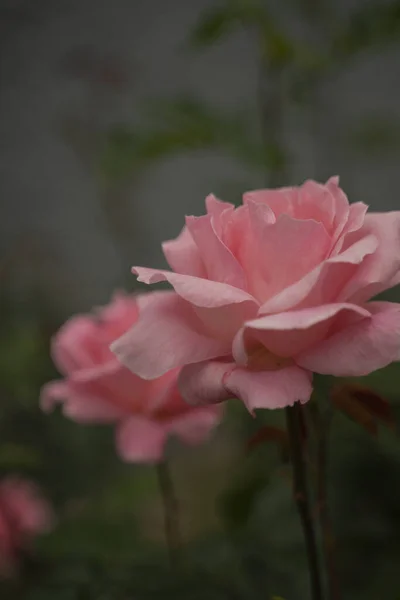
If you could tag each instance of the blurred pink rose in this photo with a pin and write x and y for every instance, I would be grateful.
(270, 292)
(23, 515)
(97, 388)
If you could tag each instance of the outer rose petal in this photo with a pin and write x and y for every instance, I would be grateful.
(203, 383)
(196, 425)
(197, 291)
(270, 389)
(354, 222)
(219, 261)
(165, 337)
(288, 333)
(376, 272)
(360, 348)
(141, 440)
(80, 408)
(216, 207)
(223, 323)
(213, 382)
(183, 255)
(121, 309)
(395, 280)
(74, 345)
(114, 383)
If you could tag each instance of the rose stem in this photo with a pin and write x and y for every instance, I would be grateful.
(301, 497)
(328, 540)
(171, 512)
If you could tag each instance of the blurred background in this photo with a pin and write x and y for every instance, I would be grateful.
(117, 118)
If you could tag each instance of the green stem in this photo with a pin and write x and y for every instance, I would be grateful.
(301, 497)
(171, 513)
(328, 539)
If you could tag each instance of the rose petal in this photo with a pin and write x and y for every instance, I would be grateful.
(166, 336)
(224, 322)
(183, 255)
(196, 425)
(200, 292)
(325, 282)
(288, 333)
(326, 204)
(284, 240)
(203, 383)
(216, 207)
(269, 389)
(140, 440)
(79, 408)
(75, 345)
(356, 217)
(114, 382)
(119, 314)
(376, 272)
(219, 261)
(360, 348)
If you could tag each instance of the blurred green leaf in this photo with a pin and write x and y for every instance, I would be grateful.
(373, 24)
(213, 25)
(218, 22)
(277, 49)
(181, 125)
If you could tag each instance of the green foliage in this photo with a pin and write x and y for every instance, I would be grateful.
(214, 25)
(374, 24)
(227, 17)
(184, 124)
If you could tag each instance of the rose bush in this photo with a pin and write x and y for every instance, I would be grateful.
(267, 294)
(97, 388)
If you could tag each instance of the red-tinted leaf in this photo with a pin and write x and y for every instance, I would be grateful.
(378, 406)
(269, 434)
(346, 399)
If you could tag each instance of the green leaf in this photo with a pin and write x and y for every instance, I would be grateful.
(277, 48)
(269, 434)
(373, 24)
(218, 22)
(184, 124)
(212, 26)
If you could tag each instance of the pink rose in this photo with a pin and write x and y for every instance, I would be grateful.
(23, 515)
(270, 292)
(97, 388)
